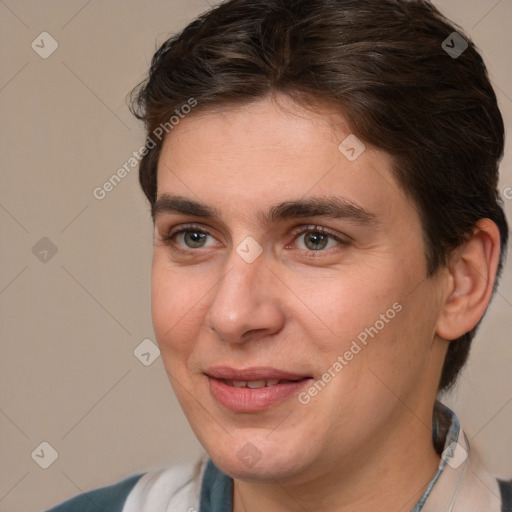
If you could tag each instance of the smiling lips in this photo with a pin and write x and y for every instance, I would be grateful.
(252, 389)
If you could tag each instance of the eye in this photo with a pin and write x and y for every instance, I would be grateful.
(317, 238)
(310, 239)
(187, 239)
(193, 239)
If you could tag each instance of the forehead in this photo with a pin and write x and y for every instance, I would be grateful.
(268, 152)
(273, 125)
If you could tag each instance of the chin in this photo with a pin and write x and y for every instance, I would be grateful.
(258, 459)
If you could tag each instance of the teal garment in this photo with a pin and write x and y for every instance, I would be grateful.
(216, 490)
(216, 495)
(106, 499)
(506, 495)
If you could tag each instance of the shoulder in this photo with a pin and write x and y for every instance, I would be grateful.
(111, 498)
(506, 495)
(178, 485)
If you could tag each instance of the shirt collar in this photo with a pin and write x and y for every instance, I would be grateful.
(461, 483)
(445, 433)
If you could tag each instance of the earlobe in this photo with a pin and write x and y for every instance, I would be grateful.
(472, 273)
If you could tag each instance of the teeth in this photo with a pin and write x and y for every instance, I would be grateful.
(256, 384)
(253, 384)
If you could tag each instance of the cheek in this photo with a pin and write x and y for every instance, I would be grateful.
(377, 324)
(350, 308)
(175, 303)
(397, 352)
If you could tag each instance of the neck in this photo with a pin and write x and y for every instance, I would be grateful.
(388, 474)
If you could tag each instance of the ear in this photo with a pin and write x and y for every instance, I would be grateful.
(471, 275)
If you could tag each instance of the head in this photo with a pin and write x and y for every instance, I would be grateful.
(256, 110)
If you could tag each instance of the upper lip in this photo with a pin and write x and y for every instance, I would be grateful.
(253, 373)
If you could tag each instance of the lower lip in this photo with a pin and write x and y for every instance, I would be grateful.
(253, 400)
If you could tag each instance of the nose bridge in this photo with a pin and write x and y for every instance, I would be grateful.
(238, 288)
(239, 302)
(246, 265)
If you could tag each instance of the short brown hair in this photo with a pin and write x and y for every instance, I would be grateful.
(381, 64)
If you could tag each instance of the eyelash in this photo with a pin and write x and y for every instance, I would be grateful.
(169, 238)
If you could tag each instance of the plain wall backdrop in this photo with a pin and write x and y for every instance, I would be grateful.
(74, 279)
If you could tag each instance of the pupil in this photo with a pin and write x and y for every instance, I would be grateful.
(317, 238)
(195, 238)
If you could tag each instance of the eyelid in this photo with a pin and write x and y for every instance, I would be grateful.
(342, 239)
(168, 238)
(187, 227)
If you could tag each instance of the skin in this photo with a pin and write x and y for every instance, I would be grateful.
(364, 442)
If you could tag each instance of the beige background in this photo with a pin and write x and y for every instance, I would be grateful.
(70, 325)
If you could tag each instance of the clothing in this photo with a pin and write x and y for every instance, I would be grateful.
(461, 483)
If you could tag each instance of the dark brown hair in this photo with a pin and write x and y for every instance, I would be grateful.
(381, 64)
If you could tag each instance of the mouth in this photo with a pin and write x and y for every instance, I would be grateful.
(257, 384)
(253, 389)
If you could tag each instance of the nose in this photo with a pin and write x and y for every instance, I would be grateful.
(246, 305)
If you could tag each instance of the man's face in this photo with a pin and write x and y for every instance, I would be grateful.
(337, 304)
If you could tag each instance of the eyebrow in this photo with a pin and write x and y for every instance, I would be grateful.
(332, 207)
